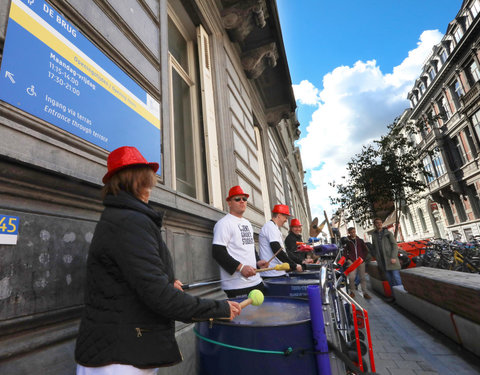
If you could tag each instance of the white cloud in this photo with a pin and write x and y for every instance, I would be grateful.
(354, 107)
(306, 93)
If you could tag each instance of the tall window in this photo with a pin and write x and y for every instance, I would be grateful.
(443, 56)
(187, 137)
(458, 33)
(457, 141)
(471, 143)
(431, 73)
(438, 164)
(475, 73)
(427, 166)
(476, 123)
(458, 89)
(475, 8)
(421, 86)
(422, 220)
(412, 224)
(446, 107)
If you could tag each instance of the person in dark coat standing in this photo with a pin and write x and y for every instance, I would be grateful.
(355, 248)
(294, 236)
(386, 252)
(132, 298)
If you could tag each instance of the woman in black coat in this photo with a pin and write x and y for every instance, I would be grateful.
(132, 298)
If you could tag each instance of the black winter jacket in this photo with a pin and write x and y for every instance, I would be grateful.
(130, 301)
(291, 246)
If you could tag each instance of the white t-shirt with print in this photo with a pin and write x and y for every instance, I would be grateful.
(270, 233)
(236, 234)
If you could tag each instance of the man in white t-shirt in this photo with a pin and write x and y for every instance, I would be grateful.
(270, 241)
(234, 248)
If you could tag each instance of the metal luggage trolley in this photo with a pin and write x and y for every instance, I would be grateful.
(346, 322)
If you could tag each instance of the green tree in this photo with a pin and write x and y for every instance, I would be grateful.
(382, 177)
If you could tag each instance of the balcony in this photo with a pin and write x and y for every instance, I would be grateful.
(435, 134)
(448, 179)
(471, 95)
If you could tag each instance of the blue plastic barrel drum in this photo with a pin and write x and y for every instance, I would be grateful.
(273, 338)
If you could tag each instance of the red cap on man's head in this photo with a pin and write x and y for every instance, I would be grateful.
(281, 209)
(236, 190)
(295, 223)
(123, 157)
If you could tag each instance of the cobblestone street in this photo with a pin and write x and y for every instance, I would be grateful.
(405, 345)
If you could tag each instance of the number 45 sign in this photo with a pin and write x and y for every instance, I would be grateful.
(8, 230)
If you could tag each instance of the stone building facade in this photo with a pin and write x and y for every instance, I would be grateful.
(218, 86)
(445, 99)
(422, 219)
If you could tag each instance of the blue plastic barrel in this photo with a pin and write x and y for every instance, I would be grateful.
(288, 286)
(271, 339)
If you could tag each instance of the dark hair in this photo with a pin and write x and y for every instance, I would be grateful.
(349, 229)
(377, 219)
(132, 179)
(274, 215)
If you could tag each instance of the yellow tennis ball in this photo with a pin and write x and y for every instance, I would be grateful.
(256, 297)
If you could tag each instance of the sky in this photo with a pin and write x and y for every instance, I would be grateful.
(352, 64)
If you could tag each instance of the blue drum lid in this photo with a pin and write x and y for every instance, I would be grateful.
(274, 312)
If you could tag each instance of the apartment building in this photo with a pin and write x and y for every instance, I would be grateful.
(445, 102)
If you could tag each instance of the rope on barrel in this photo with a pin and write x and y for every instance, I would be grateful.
(286, 352)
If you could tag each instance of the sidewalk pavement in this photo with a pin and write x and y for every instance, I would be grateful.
(405, 345)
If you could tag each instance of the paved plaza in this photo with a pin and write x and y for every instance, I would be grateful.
(404, 344)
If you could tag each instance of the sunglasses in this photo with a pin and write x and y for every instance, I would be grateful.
(240, 199)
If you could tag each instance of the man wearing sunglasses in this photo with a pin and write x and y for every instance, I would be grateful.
(271, 241)
(234, 248)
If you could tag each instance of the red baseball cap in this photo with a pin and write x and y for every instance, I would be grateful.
(281, 209)
(295, 223)
(123, 157)
(236, 190)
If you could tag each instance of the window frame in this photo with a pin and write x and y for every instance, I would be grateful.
(439, 164)
(475, 73)
(475, 120)
(443, 55)
(475, 6)
(191, 78)
(457, 142)
(457, 34)
(422, 87)
(457, 86)
(446, 107)
(428, 167)
(421, 218)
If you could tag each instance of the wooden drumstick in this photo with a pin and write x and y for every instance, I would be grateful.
(274, 255)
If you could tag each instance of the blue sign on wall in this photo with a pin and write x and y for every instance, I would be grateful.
(8, 230)
(49, 69)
